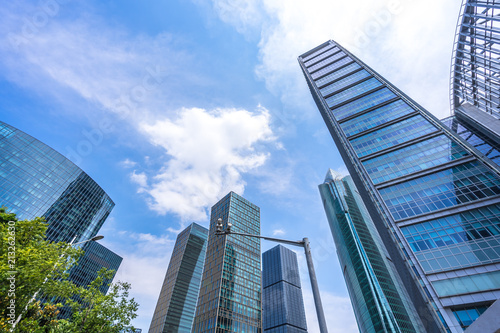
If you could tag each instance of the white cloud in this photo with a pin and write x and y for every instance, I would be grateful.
(127, 163)
(278, 232)
(208, 151)
(389, 36)
(140, 179)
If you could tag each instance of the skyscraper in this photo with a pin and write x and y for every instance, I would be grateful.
(230, 294)
(434, 199)
(179, 294)
(282, 302)
(378, 296)
(37, 181)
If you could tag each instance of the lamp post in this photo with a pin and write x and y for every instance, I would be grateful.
(304, 243)
(95, 238)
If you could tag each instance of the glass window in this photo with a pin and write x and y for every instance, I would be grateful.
(338, 73)
(363, 103)
(352, 92)
(341, 84)
(321, 56)
(326, 61)
(330, 68)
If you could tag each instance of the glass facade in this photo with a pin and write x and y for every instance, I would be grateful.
(378, 296)
(282, 302)
(476, 57)
(35, 180)
(230, 294)
(176, 304)
(421, 183)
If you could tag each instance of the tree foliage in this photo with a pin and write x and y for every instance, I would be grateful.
(32, 266)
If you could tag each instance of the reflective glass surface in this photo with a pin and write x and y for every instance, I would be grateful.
(460, 184)
(321, 56)
(330, 68)
(467, 315)
(342, 83)
(467, 284)
(337, 74)
(176, 304)
(419, 156)
(392, 135)
(35, 180)
(326, 61)
(476, 138)
(457, 241)
(230, 294)
(282, 302)
(363, 103)
(318, 52)
(377, 293)
(376, 117)
(352, 92)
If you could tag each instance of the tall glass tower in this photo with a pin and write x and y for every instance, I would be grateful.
(433, 198)
(177, 302)
(230, 294)
(282, 302)
(378, 296)
(36, 181)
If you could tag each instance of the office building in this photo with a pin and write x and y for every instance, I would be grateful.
(282, 302)
(230, 294)
(378, 296)
(36, 181)
(176, 304)
(434, 200)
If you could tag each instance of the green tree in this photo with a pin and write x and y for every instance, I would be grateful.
(32, 266)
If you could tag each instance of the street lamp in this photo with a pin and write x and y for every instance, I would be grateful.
(307, 249)
(95, 238)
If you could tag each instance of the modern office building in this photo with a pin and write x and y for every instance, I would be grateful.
(282, 302)
(378, 296)
(179, 293)
(230, 294)
(434, 200)
(36, 181)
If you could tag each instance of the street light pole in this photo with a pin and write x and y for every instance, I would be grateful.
(95, 238)
(304, 243)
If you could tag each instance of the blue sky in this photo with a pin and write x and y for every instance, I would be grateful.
(169, 105)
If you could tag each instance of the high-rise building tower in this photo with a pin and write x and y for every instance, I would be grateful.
(230, 294)
(378, 296)
(179, 294)
(434, 199)
(37, 181)
(282, 302)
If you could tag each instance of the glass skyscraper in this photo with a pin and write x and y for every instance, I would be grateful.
(378, 296)
(230, 294)
(36, 181)
(434, 199)
(282, 302)
(179, 294)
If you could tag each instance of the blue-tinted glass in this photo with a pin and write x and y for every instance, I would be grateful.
(363, 103)
(321, 56)
(330, 68)
(392, 135)
(318, 52)
(467, 315)
(460, 184)
(341, 84)
(417, 157)
(326, 61)
(337, 74)
(376, 117)
(352, 92)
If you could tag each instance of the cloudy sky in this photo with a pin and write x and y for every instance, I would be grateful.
(169, 105)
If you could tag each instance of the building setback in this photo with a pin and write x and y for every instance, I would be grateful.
(378, 296)
(179, 293)
(282, 302)
(434, 199)
(230, 294)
